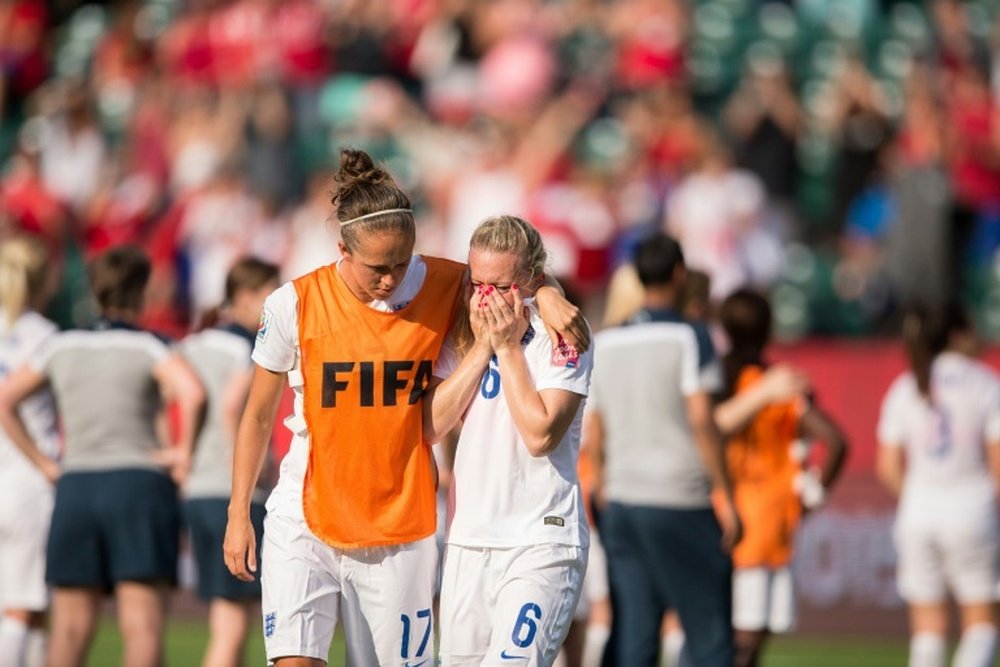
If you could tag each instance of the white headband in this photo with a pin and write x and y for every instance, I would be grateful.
(376, 213)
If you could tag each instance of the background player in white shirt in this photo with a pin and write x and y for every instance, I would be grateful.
(943, 419)
(517, 546)
(27, 508)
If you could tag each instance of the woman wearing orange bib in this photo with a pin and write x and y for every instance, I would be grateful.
(764, 416)
(349, 533)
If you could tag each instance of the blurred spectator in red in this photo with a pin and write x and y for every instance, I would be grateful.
(23, 62)
(651, 36)
(26, 204)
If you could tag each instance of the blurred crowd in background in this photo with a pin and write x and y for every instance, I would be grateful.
(844, 156)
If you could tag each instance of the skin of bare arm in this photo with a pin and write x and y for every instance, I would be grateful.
(180, 385)
(890, 468)
(21, 384)
(817, 425)
(252, 439)
(445, 402)
(710, 446)
(779, 383)
(542, 418)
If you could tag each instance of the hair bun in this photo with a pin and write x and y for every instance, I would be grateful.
(357, 167)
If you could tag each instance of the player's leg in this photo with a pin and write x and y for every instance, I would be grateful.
(468, 593)
(300, 593)
(76, 568)
(638, 604)
(750, 613)
(24, 528)
(142, 611)
(972, 553)
(140, 519)
(74, 618)
(539, 590)
(696, 576)
(672, 641)
(598, 601)
(387, 602)
(921, 582)
(231, 602)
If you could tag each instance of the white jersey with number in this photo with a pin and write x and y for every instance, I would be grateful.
(277, 349)
(944, 438)
(17, 346)
(504, 496)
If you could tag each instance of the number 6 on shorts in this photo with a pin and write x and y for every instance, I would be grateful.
(526, 625)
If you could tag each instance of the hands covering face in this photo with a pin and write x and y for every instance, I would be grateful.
(495, 320)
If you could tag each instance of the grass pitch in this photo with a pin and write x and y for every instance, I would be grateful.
(186, 639)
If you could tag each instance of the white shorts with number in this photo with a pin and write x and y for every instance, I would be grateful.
(763, 599)
(383, 596)
(24, 529)
(508, 606)
(941, 551)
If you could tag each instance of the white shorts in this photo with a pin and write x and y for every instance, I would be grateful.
(383, 595)
(508, 606)
(942, 552)
(595, 582)
(763, 599)
(25, 516)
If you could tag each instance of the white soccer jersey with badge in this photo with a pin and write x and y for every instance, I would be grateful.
(944, 439)
(504, 497)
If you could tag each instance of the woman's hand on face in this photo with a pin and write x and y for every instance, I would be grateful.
(477, 320)
(507, 322)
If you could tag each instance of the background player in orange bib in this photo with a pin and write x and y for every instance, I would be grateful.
(765, 415)
(349, 533)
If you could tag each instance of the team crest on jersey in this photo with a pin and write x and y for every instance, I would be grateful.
(565, 354)
(264, 326)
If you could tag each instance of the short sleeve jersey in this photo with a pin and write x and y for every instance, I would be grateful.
(505, 497)
(944, 437)
(29, 333)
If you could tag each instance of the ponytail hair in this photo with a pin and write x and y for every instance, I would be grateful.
(366, 189)
(24, 267)
(926, 334)
(746, 319)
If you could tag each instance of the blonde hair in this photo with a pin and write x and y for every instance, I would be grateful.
(24, 266)
(508, 233)
(624, 298)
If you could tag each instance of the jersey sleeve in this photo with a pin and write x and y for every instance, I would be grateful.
(560, 368)
(277, 336)
(41, 356)
(692, 380)
(892, 418)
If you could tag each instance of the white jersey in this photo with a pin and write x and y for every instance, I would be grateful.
(944, 438)
(504, 497)
(18, 345)
(277, 349)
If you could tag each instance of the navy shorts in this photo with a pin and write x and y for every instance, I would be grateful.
(107, 527)
(206, 519)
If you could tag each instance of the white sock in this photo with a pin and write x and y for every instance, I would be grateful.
(671, 647)
(978, 646)
(13, 640)
(594, 643)
(35, 648)
(926, 650)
